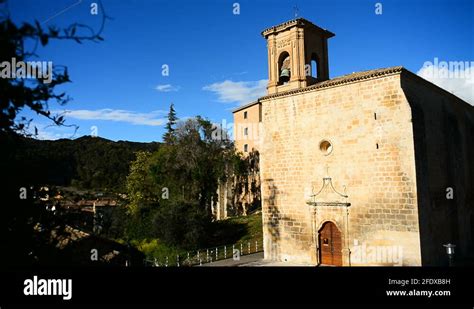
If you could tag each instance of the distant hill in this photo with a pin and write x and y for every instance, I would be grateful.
(86, 162)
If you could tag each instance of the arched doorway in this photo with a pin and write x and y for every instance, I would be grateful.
(330, 244)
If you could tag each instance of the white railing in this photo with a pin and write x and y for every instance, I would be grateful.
(208, 255)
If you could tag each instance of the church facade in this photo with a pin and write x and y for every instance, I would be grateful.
(370, 168)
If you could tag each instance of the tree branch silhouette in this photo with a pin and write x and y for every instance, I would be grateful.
(36, 93)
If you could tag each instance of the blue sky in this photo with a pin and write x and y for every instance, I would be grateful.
(218, 60)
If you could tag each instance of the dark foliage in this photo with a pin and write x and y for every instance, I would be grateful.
(182, 222)
(87, 162)
(27, 163)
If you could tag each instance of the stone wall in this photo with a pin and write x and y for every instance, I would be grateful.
(252, 123)
(368, 124)
(444, 135)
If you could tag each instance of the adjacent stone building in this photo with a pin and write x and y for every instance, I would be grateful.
(247, 123)
(370, 168)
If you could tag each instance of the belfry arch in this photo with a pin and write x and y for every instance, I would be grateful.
(284, 68)
(304, 42)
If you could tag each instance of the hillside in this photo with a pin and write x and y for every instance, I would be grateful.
(87, 162)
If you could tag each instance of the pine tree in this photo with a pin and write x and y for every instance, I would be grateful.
(168, 137)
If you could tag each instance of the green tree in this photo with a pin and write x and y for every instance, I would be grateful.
(168, 137)
(141, 189)
(198, 162)
(189, 170)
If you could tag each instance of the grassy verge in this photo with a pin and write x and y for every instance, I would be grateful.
(236, 230)
(239, 229)
(154, 250)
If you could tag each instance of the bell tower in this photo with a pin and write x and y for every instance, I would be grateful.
(297, 55)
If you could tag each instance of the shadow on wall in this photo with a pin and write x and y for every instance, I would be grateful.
(273, 219)
(442, 152)
(277, 224)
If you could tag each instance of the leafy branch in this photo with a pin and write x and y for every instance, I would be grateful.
(36, 93)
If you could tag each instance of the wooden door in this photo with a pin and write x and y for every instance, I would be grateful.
(330, 244)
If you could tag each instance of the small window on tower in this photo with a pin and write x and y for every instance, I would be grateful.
(245, 115)
(246, 148)
(246, 131)
(314, 66)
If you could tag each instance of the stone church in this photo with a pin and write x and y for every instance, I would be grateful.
(369, 168)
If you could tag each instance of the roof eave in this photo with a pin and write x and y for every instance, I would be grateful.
(238, 109)
(339, 81)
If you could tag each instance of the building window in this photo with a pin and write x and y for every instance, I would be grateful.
(246, 148)
(314, 64)
(325, 147)
(246, 131)
(245, 115)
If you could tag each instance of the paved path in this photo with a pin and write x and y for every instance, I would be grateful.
(250, 260)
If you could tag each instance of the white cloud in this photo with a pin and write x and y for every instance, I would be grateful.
(50, 131)
(460, 82)
(48, 134)
(147, 119)
(240, 92)
(166, 88)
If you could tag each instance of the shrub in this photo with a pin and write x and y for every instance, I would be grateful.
(183, 223)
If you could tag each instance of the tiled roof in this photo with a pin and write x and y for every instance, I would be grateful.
(355, 77)
(344, 79)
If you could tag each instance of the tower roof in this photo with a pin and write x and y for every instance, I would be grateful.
(297, 22)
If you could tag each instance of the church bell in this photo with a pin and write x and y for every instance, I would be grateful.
(285, 75)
